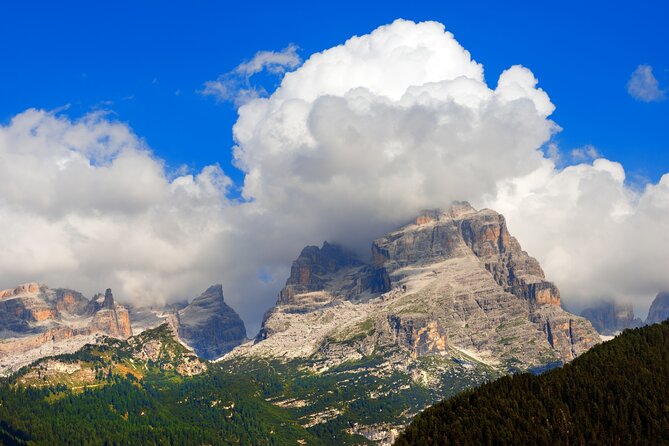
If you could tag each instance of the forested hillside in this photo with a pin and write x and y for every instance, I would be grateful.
(117, 394)
(615, 394)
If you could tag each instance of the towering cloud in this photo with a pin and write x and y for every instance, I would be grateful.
(352, 143)
(365, 134)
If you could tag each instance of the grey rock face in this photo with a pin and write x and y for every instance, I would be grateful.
(209, 325)
(659, 309)
(315, 269)
(101, 302)
(71, 301)
(610, 318)
(485, 235)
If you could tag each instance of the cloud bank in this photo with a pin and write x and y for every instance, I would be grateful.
(353, 143)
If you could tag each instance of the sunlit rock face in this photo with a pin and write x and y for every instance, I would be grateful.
(446, 302)
(37, 321)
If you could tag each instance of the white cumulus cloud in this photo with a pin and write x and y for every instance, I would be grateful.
(84, 204)
(595, 236)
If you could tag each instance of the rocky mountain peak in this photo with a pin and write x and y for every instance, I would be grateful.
(314, 268)
(659, 309)
(209, 325)
(453, 278)
(214, 291)
(38, 321)
(458, 209)
(460, 231)
(108, 301)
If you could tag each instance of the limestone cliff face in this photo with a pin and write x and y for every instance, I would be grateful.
(659, 309)
(421, 335)
(439, 235)
(209, 325)
(37, 321)
(70, 301)
(610, 318)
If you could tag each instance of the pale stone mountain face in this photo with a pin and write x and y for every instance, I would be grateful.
(659, 309)
(453, 279)
(36, 321)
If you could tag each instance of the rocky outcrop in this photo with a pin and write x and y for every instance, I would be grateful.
(421, 335)
(610, 318)
(113, 322)
(210, 326)
(659, 309)
(439, 235)
(26, 288)
(37, 321)
(109, 317)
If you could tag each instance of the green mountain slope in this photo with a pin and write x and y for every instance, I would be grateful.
(357, 402)
(614, 394)
(104, 394)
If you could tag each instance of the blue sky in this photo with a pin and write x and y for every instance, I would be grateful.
(145, 61)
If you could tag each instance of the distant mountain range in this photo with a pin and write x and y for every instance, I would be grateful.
(36, 321)
(351, 352)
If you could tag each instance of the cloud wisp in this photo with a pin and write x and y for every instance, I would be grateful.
(236, 86)
(643, 86)
(353, 142)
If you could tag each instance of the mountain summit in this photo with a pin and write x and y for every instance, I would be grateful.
(452, 279)
(209, 325)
